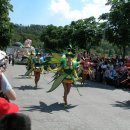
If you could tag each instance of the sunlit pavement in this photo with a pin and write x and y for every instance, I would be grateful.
(99, 108)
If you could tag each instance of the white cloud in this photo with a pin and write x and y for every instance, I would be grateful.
(59, 6)
(94, 8)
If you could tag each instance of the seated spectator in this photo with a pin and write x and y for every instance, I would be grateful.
(15, 121)
(126, 82)
(99, 74)
(113, 73)
(122, 69)
(106, 75)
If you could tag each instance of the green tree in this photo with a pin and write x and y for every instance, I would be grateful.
(86, 33)
(117, 29)
(5, 28)
(20, 33)
(51, 36)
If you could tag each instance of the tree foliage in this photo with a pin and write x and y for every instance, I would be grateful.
(117, 28)
(82, 33)
(20, 33)
(5, 34)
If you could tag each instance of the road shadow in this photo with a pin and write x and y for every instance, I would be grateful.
(78, 84)
(93, 84)
(124, 104)
(27, 87)
(43, 107)
(23, 77)
(127, 89)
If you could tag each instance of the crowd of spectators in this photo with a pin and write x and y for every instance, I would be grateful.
(111, 71)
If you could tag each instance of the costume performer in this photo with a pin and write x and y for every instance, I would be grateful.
(85, 70)
(30, 65)
(38, 62)
(66, 75)
(28, 53)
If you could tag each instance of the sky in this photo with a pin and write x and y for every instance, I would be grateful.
(56, 12)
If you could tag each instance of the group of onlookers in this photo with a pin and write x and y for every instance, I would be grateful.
(112, 71)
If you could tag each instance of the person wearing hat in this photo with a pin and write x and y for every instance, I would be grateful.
(38, 62)
(69, 67)
(6, 90)
(66, 73)
(3, 60)
(7, 107)
(10, 119)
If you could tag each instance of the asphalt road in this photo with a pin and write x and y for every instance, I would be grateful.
(100, 107)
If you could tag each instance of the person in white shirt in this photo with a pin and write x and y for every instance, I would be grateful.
(6, 89)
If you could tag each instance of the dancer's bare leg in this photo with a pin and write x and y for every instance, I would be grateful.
(67, 88)
(37, 77)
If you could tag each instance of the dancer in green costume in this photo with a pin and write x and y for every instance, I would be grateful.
(66, 74)
(68, 67)
(30, 65)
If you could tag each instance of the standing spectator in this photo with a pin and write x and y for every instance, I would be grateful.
(12, 60)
